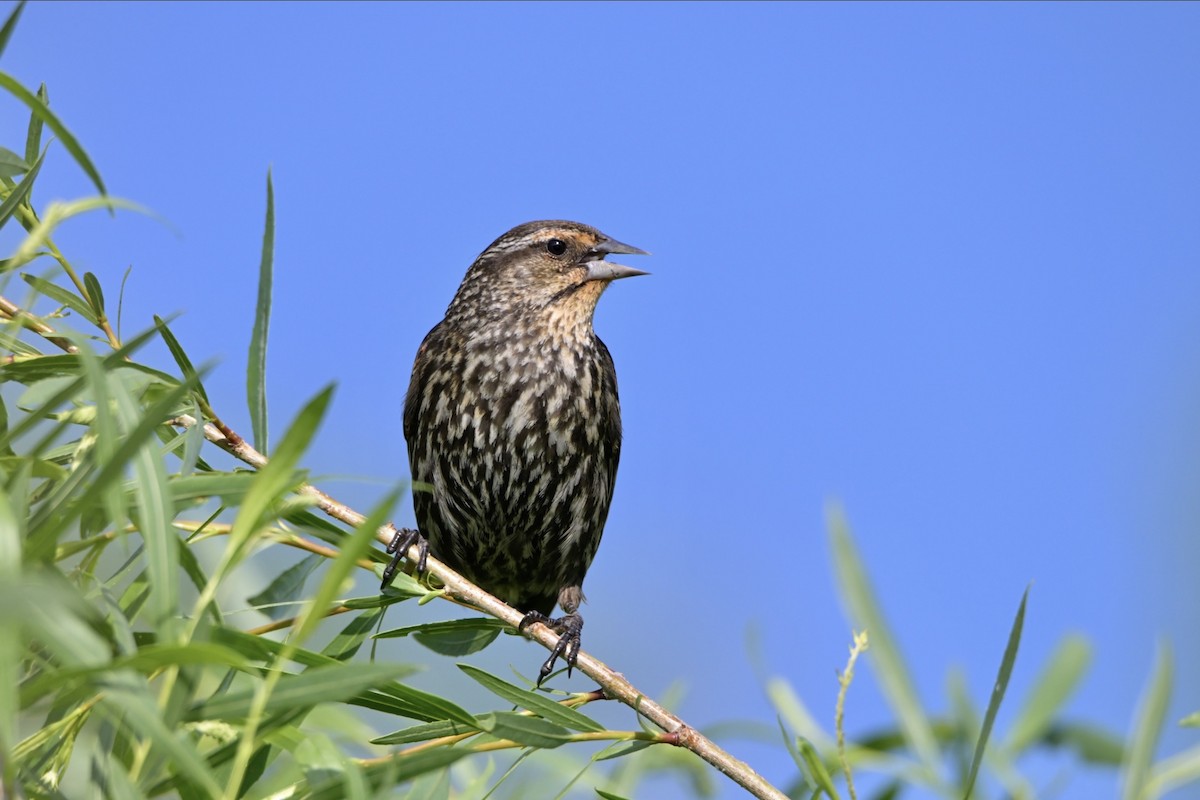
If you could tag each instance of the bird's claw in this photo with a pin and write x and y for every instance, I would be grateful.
(398, 549)
(569, 629)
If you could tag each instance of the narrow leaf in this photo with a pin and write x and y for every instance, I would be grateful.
(621, 749)
(532, 701)
(33, 135)
(351, 638)
(1147, 725)
(281, 596)
(399, 698)
(402, 768)
(12, 164)
(817, 768)
(95, 293)
(273, 480)
(989, 716)
(43, 112)
(9, 25)
(425, 732)
(527, 731)
(317, 685)
(458, 637)
(256, 366)
(177, 352)
(20, 192)
(60, 295)
(155, 511)
(608, 795)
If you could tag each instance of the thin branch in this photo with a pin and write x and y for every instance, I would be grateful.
(458, 588)
(614, 684)
(9, 310)
(844, 680)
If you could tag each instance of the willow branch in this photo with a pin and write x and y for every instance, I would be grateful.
(459, 589)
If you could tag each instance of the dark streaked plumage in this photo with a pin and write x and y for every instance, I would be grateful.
(512, 419)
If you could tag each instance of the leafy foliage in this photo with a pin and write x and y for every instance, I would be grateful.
(123, 673)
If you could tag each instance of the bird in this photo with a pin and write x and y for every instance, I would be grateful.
(513, 425)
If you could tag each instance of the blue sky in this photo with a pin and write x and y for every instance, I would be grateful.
(939, 263)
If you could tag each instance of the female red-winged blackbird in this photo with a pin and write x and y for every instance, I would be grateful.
(513, 423)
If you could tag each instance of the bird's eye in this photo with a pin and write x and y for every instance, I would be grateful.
(556, 247)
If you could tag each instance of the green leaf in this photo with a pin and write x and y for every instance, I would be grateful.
(532, 701)
(12, 164)
(527, 731)
(402, 586)
(989, 717)
(884, 655)
(273, 481)
(1092, 744)
(33, 135)
(398, 698)
(64, 296)
(256, 366)
(608, 795)
(31, 370)
(1148, 723)
(1050, 692)
(401, 768)
(19, 194)
(230, 487)
(816, 768)
(425, 732)
(177, 352)
(6, 450)
(1191, 720)
(154, 513)
(43, 112)
(330, 684)
(104, 429)
(457, 637)
(350, 638)
(95, 293)
(621, 749)
(281, 596)
(10, 24)
(148, 659)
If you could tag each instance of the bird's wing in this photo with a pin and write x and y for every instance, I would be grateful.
(610, 438)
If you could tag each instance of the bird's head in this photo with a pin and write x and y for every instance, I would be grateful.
(552, 266)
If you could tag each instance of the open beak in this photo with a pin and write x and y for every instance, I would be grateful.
(601, 270)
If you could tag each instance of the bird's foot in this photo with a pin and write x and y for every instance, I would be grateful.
(569, 629)
(398, 549)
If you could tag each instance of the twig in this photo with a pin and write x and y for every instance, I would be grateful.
(859, 647)
(9, 310)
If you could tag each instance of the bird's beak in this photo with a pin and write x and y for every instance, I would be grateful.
(608, 271)
(601, 270)
(608, 246)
